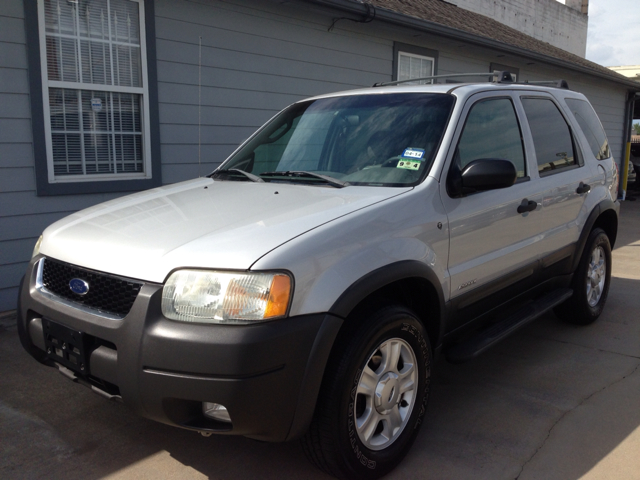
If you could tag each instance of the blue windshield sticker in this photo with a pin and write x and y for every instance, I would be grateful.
(413, 153)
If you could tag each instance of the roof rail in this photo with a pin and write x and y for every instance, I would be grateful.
(554, 83)
(497, 76)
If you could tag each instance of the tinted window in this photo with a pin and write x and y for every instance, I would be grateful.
(551, 134)
(591, 127)
(492, 131)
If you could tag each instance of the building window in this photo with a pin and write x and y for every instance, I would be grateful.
(414, 66)
(411, 62)
(94, 95)
(94, 89)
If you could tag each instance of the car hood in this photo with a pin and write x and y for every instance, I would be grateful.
(199, 223)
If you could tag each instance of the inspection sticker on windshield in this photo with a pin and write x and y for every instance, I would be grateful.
(409, 164)
(413, 153)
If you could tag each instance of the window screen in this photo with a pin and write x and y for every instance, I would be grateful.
(492, 131)
(94, 88)
(551, 135)
(591, 127)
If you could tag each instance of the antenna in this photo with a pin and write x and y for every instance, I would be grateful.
(199, 104)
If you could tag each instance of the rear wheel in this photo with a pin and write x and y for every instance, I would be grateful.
(590, 283)
(373, 396)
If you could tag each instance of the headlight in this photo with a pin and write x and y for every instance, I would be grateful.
(36, 249)
(225, 297)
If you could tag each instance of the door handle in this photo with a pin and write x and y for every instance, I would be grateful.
(583, 188)
(527, 206)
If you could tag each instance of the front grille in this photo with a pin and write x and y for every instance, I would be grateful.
(107, 293)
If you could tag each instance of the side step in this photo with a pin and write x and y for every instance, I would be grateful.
(474, 346)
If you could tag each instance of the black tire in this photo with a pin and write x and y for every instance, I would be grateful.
(590, 282)
(334, 442)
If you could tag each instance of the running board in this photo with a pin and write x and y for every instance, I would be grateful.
(474, 346)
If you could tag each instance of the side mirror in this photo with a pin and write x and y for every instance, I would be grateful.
(487, 174)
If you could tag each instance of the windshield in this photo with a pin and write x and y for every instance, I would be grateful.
(382, 140)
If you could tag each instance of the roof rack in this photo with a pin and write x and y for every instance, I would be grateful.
(497, 76)
(552, 83)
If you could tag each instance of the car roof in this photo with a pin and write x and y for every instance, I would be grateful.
(459, 89)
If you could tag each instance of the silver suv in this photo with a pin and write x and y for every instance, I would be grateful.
(303, 288)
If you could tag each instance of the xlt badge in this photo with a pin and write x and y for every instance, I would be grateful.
(465, 285)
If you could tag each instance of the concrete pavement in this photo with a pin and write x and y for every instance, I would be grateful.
(553, 401)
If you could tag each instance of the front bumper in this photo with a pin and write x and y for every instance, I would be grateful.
(267, 375)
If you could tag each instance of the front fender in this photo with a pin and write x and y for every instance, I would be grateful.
(330, 259)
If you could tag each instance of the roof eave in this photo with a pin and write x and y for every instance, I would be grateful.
(390, 16)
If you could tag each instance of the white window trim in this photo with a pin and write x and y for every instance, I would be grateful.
(421, 57)
(144, 91)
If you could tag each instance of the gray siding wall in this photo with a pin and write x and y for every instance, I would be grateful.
(23, 215)
(16, 154)
(258, 56)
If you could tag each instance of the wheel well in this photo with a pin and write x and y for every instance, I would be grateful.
(608, 221)
(415, 293)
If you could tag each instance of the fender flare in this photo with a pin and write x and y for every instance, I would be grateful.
(384, 276)
(598, 210)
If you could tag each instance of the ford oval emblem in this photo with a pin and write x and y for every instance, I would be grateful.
(79, 286)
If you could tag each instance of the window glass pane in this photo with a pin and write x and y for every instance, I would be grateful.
(94, 41)
(95, 132)
(492, 131)
(591, 127)
(551, 134)
(414, 66)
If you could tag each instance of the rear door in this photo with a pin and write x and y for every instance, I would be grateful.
(560, 170)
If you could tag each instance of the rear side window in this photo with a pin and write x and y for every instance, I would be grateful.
(591, 127)
(492, 131)
(551, 135)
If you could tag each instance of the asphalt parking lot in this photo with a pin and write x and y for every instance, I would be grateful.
(553, 401)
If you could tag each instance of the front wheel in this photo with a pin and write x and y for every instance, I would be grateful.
(373, 397)
(590, 283)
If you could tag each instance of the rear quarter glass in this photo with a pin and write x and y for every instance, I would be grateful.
(591, 127)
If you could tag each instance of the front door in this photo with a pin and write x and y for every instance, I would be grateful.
(491, 243)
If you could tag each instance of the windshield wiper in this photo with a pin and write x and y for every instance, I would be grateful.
(334, 182)
(250, 176)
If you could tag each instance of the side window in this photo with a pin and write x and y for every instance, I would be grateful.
(492, 131)
(591, 127)
(551, 135)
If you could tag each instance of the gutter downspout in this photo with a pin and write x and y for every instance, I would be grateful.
(360, 9)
